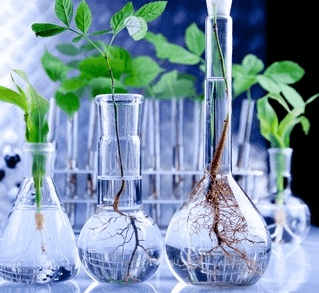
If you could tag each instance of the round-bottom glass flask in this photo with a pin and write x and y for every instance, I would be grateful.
(120, 243)
(37, 244)
(287, 216)
(217, 237)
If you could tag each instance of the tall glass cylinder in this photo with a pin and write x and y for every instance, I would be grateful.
(218, 237)
(120, 243)
(37, 244)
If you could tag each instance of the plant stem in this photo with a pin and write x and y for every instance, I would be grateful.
(106, 57)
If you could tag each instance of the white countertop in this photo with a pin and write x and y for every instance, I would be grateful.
(293, 269)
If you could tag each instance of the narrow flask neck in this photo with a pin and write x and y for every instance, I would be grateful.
(38, 158)
(218, 88)
(280, 172)
(119, 159)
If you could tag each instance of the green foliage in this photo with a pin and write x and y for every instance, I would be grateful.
(47, 29)
(64, 11)
(83, 17)
(276, 80)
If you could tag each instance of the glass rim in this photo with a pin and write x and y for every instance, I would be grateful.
(280, 150)
(120, 98)
(38, 147)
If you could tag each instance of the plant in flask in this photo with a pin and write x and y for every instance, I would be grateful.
(218, 237)
(33, 246)
(119, 243)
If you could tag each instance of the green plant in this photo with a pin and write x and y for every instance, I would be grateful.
(276, 80)
(35, 108)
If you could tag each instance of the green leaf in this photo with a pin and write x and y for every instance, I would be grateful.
(293, 97)
(285, 71)
(54, 67)
(195, 39)
(102, 85)
(64, 11)
(73, 84)
(171, 85)
(268, 84)
(243, 83)
(94, 66)
(252, 65)
(69, 102)
(68, 49)
(305, 123)
(144, 71)
(37, 124)
(288, 121)
(151, 11)
(120, 61)
(174, 53)
(312, 99)
(47, 29)
(77, 39)
(267, 117)
(12, 97)
(83, 17)
(276, 141)
(280, 100)
(117, 20)
(136, 27)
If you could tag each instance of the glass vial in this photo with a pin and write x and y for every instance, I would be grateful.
(287, 216)
(120, 243)
(217, 237)
(38, 244)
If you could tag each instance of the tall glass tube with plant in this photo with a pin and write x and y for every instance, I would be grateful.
(217, 237)
(32, 246)
(136, 24)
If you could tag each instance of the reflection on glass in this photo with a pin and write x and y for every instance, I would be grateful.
(116, 288)
(182, 288)
(67, 287)
(288, 269)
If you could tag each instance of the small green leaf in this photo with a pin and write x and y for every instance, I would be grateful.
(174, 53)
(136, 27)
(73, 84)
(195, 39)
(94, 66)
(68, 49)
(305, 123)
(312, 99)
(102, 85)
(269, 84)
(54, 67)
(144, 71)
(285, 71)
(47, 29)
(64, 11)
(12, 97)
(69, 102)
(165, 80)
(117, 20)
(152, 10)
(83, 17)
(280, 100)
(293, 97)
(77, 39)
(252, 65)
(243, 83)
(267, 117)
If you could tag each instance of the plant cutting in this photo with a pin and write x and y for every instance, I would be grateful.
(281, 97)
(135, 260)
(213, 238)
(32, 248)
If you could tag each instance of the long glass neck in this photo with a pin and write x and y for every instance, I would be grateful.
(119, 149)
(218, 88)
(38, 158)
(280, 172)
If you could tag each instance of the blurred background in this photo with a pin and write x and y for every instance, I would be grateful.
(270, 31)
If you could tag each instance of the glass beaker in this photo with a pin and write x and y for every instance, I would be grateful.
(218, 237)
(287, 216)
(38, 244)
(120, 243)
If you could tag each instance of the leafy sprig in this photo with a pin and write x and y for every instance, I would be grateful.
(35, 109)
(277, 81)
